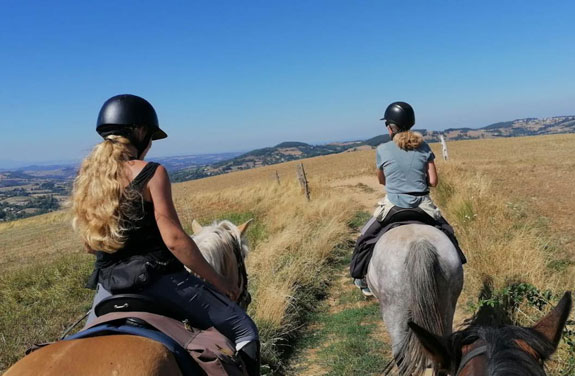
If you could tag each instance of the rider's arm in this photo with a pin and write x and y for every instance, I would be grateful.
(432, 179)
(380, 176)
(176, 239)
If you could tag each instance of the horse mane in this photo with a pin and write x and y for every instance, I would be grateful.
(217, 243)
(504, 354)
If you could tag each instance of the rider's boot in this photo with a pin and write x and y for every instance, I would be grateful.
(250, 354)
(361, 283)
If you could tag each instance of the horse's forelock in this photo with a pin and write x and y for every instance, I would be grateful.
(505, 356)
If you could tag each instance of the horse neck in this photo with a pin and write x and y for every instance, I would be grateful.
(217, 247)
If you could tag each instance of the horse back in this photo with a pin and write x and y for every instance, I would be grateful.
(415, 273)
(393, 249)
(106, 355)
(392, 274)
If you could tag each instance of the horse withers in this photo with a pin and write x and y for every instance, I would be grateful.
(490, 349)
(132, 355)
(416, 274)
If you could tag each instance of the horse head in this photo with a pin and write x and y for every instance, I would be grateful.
(489, 350)
(223, 246)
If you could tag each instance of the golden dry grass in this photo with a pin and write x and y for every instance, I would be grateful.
(509, 199)
(36, 239)
(539, 171)
(289, 261)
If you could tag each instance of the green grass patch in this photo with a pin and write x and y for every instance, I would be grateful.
(347, 341)
(559, 265)
(443, 192)
(359, 219)
(465, 212)
(40, 301)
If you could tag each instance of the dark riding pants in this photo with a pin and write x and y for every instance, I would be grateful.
(204, 305)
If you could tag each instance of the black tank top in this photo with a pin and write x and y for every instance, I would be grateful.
(143, 236)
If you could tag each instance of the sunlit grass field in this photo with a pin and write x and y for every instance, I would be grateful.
(509, 200)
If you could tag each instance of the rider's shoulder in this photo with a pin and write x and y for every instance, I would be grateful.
(424, 147)
(160, 171)
(137, 166)
(385, 147)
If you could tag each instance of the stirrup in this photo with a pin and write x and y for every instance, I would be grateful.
(366, 291)
(362, 285)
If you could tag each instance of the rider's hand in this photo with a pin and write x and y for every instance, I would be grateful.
(228, 290)
(232, 292)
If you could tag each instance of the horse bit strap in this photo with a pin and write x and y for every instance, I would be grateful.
(469, 356)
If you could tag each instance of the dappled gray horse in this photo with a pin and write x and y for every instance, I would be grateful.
(416, 275)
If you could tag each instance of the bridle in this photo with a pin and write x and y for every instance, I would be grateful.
(481, 350)
(245, 298)
(478, 351)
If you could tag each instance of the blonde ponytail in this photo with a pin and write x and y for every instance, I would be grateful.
(98, 193)
(408, 140)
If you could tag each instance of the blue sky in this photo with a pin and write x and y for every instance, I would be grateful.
(237, 75)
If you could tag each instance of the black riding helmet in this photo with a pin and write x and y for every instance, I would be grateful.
(122, 114)
(400, 114)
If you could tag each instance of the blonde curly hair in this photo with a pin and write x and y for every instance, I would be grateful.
(408, 140)
(99, 193)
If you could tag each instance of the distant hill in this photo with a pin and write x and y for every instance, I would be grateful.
(287, 151)
(35, 189)
(515, 128)
(38, 189)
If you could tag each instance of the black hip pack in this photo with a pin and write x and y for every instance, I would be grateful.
(135, 273)
(131, 274)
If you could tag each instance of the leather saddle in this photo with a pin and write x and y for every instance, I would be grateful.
(157, 319)
(399, 215)
(138, 303)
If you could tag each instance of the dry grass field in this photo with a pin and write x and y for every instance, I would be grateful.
(509, 200)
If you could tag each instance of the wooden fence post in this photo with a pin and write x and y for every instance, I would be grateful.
(277, 177)
(444, 147)
(303, 180)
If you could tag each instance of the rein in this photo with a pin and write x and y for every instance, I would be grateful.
(469, 356)
(245, 298)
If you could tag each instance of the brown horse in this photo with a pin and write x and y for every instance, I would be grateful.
(127, 354)
(486, 350)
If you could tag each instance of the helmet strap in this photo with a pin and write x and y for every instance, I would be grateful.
(392, 127)
(131, 135)
(142, 144)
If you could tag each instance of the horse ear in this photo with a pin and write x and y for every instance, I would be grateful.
(434, 346)
(551, 326)
(244, 226)
(196, 227)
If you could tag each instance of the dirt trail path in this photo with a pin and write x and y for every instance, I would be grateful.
(343, 296)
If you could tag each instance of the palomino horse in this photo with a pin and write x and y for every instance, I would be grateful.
(223, 248)
(490, 350)
(416, 274)
(132, 355)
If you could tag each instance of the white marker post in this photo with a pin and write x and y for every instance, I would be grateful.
(444, 147)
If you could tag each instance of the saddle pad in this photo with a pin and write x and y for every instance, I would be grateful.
(187, 365)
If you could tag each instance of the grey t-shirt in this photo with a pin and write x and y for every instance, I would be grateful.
(405, 172)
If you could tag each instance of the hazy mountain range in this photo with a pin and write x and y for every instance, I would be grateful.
(188, 167)
(288, 151)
